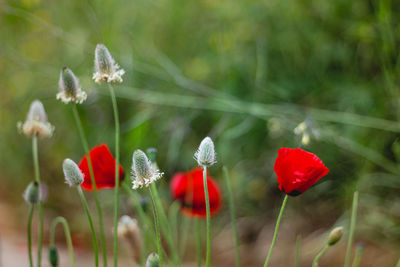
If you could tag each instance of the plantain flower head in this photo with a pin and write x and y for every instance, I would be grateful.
(70, 90)
(205, 155)
(106, 70)
(36, 123)
(153, 260)
(143, 173)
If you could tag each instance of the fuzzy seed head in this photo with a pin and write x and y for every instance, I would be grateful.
(143, 173)
(106, 70)
(70, 90)
(153, 260)
(205, 154)
(335, 236)
(73, 175)
(36, 123)
(32, 193)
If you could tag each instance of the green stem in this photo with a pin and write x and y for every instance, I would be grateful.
(208, 216)
(398, 263)
(183, 240)
(31, 208)
(95, 194)
(142, 215)
(233, 216)
(198, 239)
(94, 238)
(276, 231)
(358, 256)
(319, 255)
(37, 178)
(352, 229)
(64, 222)
(116, 189)
(297, 256)
(157, 226)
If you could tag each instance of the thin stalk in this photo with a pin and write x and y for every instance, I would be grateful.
(67, 233)
(142, 215)
(94, 238)
(358, 256)
(352, 229)
(276, 231)
(31, 208)
(37, 178)
(297, 256)
(182, 246)
(398, 263)
(198, 241)
(116, 189)
(95, 194)
(208, 222)
(233, 216)
(157, 226)
(319, 255)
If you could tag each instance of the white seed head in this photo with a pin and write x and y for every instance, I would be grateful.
(73, 175)
(106, 70)
(36, 123)
(70, 90)
(205, 154)
(143, 173)
(153, 260)
(335, 236)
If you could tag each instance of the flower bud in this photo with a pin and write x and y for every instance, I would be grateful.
(106, 70)
(205, 155)
(129, 230)
(152, 153)
(53, 256)
(32, 193)
(143, 173)
(36, 112)
(70, 90)
(36, 123)
(153, 260)
(335, 236)
(73, 175)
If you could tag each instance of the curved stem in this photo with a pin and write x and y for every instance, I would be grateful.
(358, 256)
(94, 238)
(198, 241)
(319, 255)
(352, 228)
(31, 207)
(276, 231)
(208, 216)
(116, 189)
(157, 226)
(95, 194)
(233, 216)
(64, 222)
(40, 209)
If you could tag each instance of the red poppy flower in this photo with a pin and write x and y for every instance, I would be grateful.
(298, 170)
(188, 189)
(103, 164)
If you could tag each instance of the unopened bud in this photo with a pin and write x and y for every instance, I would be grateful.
(53, 256)
(335, 236)
(153, 260)
(73, 175)
(32, 193)
(205, 155)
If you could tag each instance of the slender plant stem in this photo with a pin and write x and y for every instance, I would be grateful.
(116, 189)
(276, 231)
(64, 222)
(358, 256)
(183, 240)
(94, 238)
(233, 216)
(398, 263)
(40, 208)
(319, 255)
(198, 241)
(31, 208)
(157, 227)
(208, 216)
(297, 255)
(142, 215)
(95, 193)
(352, 229)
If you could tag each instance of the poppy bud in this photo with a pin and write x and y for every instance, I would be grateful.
(152, 153)
(335, 236)
(70, 90)
(129, 230)
(73, 175)
(53, 256)
(36, 122)
(32, 194)
(106, 70)
(142, 172)
(205, 155)
(153, 260)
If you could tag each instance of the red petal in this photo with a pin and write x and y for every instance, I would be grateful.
(103, 168)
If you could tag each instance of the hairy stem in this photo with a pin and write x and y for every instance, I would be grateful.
(208, 222)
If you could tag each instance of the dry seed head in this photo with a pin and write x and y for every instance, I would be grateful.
(73, 175)
(205, 154)
(335, 236)
(70, 90)
(106, 70)
(143, 174)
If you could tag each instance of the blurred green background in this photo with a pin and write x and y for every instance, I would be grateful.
(245, 73)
